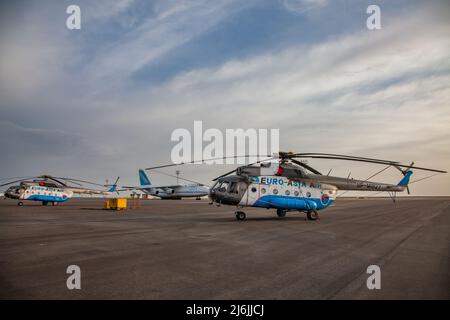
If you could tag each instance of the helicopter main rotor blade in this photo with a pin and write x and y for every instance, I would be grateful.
(68, 180)
(178, 177)
(78, 184)
(224, 175)
(339, 157)
(11, 182)
(232, 171)
(304, 165)
(421, 168)
(80, 180)
(294, 155)
(204, 160)
(368, 160)
(55, 179)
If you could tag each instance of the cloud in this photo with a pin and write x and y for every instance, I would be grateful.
(301, 6)
(357, 65)
(172, 26)
(35, 151)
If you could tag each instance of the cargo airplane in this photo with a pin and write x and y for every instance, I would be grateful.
(176, 191)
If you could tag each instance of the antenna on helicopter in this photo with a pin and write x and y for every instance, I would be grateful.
(177, 172)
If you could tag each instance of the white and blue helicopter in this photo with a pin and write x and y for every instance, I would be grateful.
(289, 184)
(52, 190)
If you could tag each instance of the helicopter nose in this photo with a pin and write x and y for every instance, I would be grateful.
(224, 198)
(212, 195)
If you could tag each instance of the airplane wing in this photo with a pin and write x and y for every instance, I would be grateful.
(152, 186)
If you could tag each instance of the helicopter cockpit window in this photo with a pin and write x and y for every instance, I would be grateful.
(215, 186)
(233, 188)
(223, 187)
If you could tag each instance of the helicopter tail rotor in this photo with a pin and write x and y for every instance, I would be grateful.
(113, 186)
(406, 176)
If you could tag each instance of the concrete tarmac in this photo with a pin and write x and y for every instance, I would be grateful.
(187, 249)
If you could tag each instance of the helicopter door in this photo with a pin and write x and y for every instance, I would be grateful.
(253, 194)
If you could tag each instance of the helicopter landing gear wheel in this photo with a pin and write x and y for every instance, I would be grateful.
(312, 215)
(20, 203)
(240, 215)
(281, 213)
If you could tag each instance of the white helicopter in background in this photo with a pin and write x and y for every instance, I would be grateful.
(53, 190)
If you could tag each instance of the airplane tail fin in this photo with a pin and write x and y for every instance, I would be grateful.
(143, 179)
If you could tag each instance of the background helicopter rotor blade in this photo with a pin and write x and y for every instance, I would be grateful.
(68, 180)
(22, 178)
(73, 180)
(117, 180)
(110, 185)
(78, 184)
(55, 179)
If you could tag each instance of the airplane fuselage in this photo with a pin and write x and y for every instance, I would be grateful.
(188, 191)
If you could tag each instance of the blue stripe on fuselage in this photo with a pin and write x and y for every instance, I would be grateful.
(41, 197)
(285, 202)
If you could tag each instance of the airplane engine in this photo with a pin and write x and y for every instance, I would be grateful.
(162, 193)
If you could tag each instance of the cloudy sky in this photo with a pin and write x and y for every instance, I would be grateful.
(103, 101)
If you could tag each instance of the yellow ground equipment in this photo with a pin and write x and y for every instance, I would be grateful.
(115, 204)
